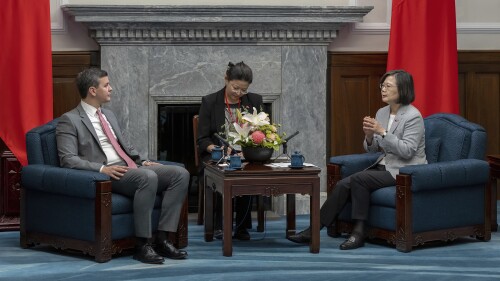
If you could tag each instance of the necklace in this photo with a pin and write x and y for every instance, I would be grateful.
(233, 119)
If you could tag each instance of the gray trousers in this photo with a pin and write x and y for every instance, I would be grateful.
(142, 184)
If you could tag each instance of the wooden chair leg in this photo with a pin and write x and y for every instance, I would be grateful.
(180, 238)
(103, 239)
(201, 202)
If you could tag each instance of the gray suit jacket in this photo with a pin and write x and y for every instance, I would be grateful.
(78, 145)
(404, 143)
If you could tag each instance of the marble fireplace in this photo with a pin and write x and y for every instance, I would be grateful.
(175, 55)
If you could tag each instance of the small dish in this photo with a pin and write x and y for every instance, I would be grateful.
(296, 167)
(232, 168)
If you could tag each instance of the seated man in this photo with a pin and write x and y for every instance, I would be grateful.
(89, 138)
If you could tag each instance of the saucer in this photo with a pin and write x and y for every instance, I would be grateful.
(296, 167)
(232, 168)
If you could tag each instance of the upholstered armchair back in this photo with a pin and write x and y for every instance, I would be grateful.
(76, 209)
(443, 200)
(41, 145)
(451, 137)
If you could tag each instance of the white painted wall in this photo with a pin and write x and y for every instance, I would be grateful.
(478, 23)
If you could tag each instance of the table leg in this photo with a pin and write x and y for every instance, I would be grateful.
(209, 213)
(260, 213)
(314, 218)
(290, 215)
(227, 215)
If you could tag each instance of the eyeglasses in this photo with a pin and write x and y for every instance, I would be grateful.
(386, 86)
(236, 89)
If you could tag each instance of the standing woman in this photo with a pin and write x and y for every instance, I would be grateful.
(217, 113)
(398, 131)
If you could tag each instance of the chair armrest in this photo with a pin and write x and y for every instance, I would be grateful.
(440, 175)
(64, 181)
(354, 163)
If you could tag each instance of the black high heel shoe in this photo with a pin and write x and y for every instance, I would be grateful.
(218, 234)
(303, 237)
(241, 234)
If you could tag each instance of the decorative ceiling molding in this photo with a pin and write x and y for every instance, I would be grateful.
(261, 25)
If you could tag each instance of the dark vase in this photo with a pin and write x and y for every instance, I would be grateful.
(257, 154)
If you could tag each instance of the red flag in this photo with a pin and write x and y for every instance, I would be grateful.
(423, 41)
(26, 71)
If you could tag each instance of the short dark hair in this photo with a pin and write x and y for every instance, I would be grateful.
(239, 71)
(89, 78)
(404, 82)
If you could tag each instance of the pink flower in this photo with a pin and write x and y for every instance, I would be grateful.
(258, 137)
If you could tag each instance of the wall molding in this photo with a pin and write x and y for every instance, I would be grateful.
(478, 28)
(57, 18)
(380, 28)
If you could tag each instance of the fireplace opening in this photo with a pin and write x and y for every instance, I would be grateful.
(176, 143)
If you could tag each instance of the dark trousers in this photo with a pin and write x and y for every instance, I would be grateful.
(241, 205)
(358, 188)
(243, 208)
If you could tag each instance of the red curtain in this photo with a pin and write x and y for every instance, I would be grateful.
(26, 71)
(423, 41)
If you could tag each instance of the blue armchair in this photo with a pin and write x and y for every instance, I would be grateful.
(442, 200)
(76, 209)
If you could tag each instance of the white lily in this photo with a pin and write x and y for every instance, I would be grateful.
(241, 132)
(257, 119)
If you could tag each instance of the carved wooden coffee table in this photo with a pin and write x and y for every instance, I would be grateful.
(257, 179)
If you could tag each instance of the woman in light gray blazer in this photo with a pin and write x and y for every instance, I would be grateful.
(398, 131)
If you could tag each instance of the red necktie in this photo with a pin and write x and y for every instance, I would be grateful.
(114, 143)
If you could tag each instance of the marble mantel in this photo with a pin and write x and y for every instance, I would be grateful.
(178, 54)
(148, 25)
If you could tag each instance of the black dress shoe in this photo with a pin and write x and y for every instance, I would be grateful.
(241, 234)
(147, 254)
(353, 242)
(303, 237)
(218, 234)
(166, 249)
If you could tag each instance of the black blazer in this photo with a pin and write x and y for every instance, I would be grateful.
(212, 118)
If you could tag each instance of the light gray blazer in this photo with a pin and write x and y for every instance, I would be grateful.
(78, 145)
(404, 143)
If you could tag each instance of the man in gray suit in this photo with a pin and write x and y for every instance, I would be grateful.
(398, 131)
(89, 138)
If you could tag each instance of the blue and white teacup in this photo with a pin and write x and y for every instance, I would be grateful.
(216, 153)
(235, 162)
(297, 159)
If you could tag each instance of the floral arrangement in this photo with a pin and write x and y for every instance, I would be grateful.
(255, 130)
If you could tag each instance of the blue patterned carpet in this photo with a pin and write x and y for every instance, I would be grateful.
(268, 256)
